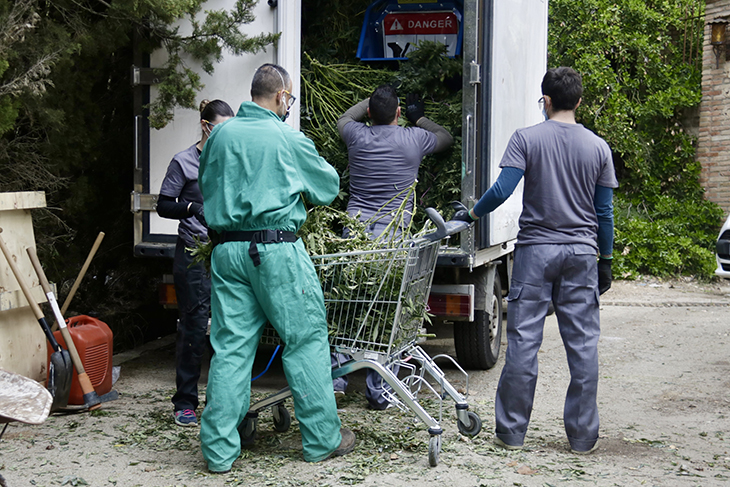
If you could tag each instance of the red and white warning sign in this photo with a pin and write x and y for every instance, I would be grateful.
(403, 31)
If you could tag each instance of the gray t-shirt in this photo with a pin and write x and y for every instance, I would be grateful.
(384, 161)
(181, 182)
(563, 163)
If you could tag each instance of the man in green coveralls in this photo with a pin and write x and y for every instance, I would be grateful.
(255, 172)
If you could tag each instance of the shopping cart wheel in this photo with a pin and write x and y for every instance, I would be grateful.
(247, 431)
(434, 449)
(282, 418)
(474, 426)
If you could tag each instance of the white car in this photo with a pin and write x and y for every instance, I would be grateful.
(722, 251)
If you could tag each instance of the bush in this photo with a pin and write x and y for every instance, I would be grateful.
(666, 238)
(641, 68)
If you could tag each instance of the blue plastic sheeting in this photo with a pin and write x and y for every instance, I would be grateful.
(391, 29)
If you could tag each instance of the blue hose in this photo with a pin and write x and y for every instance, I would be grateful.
(269, 364)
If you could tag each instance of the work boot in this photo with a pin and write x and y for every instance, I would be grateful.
(347, 444)
(498, 441)
(584, 452)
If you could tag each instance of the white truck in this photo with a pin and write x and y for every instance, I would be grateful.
(504, 52)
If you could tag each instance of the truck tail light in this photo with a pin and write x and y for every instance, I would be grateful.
(166, 292)
(452, 301)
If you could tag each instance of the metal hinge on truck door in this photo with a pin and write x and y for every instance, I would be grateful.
(144, 76)
(475, 73)
(143, 202)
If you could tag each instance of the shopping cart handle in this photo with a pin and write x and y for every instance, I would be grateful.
(443, 228)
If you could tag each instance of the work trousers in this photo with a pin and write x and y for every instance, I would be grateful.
(567, 275)
(283, 290)
(374, 384)
(192, 288)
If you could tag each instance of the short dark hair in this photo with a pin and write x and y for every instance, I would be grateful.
(383, 105)
(564, 86)
(268, 80)
(211, 110)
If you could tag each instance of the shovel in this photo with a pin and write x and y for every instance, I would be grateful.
(91, 398)
(60, 368)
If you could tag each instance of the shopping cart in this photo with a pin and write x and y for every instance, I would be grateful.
(376, 304)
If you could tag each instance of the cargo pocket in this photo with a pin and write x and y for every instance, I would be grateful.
(514, 292)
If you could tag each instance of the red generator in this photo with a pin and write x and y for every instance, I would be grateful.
(93, 340)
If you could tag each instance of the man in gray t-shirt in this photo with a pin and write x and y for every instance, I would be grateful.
(384, 157)
(563, 164)
(384, 160)
(566, 220)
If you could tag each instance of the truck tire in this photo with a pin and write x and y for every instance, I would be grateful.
(478, 342)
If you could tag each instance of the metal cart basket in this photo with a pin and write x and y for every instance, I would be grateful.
(376, 301)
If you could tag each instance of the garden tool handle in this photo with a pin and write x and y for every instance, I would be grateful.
(84, 381)
(19, 277)
(82, 273)
(56, 312)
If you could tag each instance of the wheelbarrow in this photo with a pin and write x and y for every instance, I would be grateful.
(23, 400)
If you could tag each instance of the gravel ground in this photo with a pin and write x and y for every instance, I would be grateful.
(663, 398)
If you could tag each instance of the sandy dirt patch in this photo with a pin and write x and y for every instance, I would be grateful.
(663, 397)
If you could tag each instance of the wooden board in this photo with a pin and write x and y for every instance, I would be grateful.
(24, 200)
(23, 348)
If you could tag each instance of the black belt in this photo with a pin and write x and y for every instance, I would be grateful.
(257, 236)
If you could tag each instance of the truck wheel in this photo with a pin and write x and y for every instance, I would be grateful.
(478, 342)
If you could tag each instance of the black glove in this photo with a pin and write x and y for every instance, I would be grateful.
(196, 209)
(414, 108)
(604, 275)
(464, 216)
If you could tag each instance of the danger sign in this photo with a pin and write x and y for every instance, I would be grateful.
(421, 23)
(403, 31)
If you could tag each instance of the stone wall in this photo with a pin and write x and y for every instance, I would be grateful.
(713, 150)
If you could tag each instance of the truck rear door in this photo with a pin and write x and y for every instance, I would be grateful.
(505, 58)
(231, 82)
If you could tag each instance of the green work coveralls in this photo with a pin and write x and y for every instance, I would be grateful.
(254, 172)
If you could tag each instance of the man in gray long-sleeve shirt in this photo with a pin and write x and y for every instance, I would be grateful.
(384, 158)
(384, 161)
